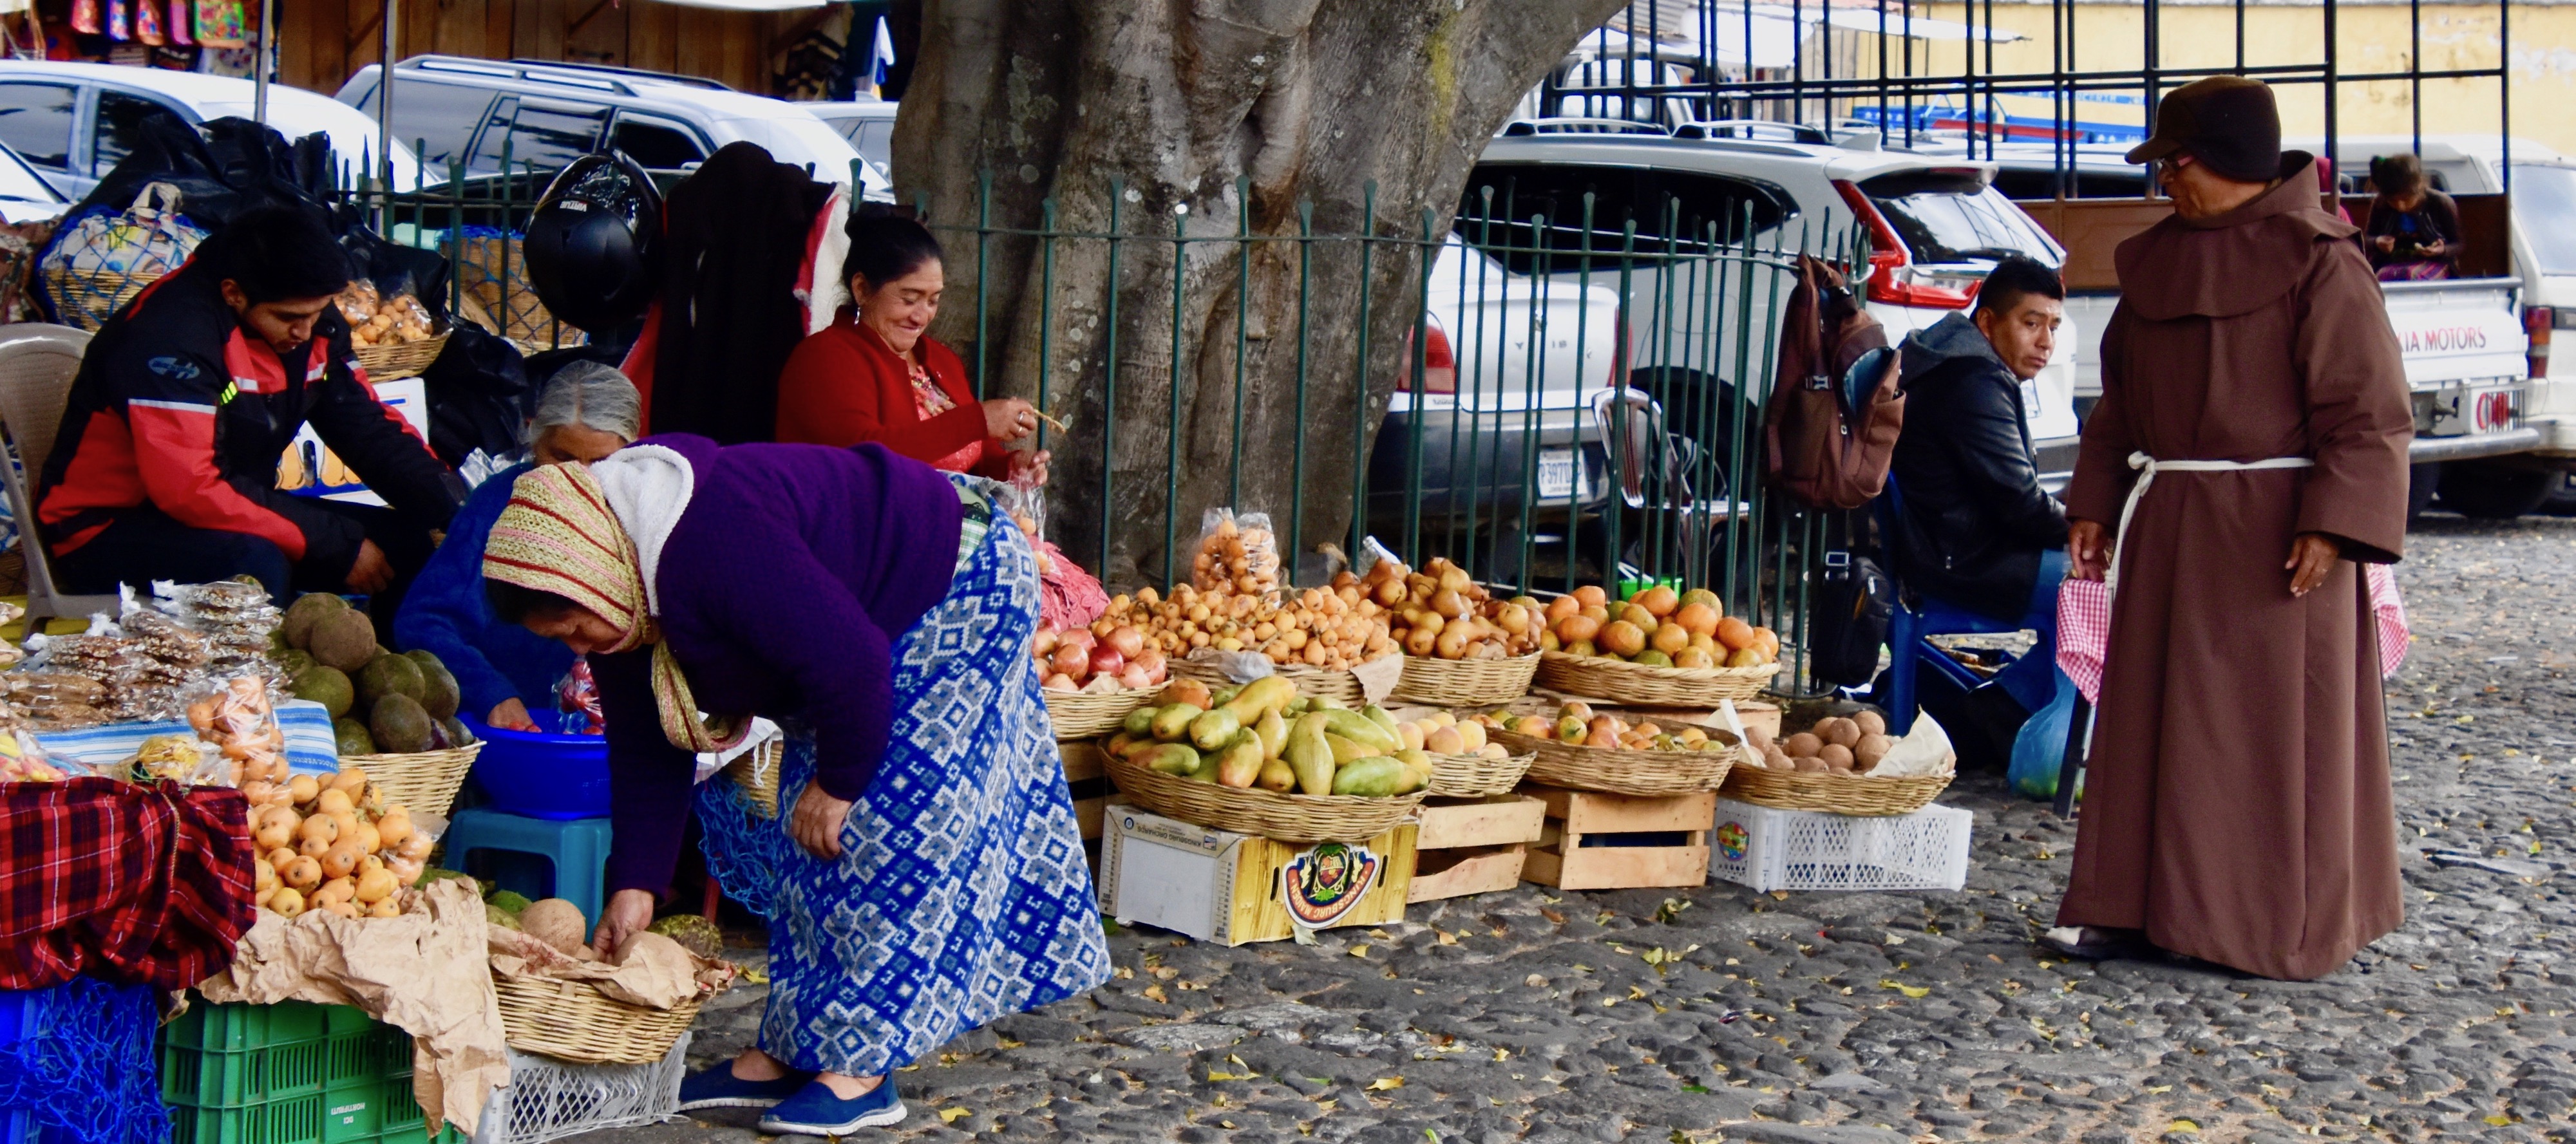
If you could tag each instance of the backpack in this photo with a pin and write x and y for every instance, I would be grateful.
(1830, 427)
(1854, 603)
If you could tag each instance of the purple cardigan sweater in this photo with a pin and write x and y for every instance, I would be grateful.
(783, 588)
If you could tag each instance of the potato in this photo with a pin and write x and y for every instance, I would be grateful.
(1803, 745)
(1840, 732)
(1837, 756)
(1871, 748)
(1871, 723)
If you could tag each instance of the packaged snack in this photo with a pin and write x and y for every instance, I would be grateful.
(22, 760)
(235, 716)
(577, 702)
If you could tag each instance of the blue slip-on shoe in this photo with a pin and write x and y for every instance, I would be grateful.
(717, 1087)
(816, 1111)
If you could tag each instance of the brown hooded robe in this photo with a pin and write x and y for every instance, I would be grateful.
(2237, 805)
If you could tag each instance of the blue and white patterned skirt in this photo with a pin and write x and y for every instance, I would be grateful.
(961, 894)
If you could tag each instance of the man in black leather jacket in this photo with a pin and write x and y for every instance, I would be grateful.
(1977, 531)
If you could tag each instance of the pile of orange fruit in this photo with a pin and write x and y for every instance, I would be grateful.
(1657, 627)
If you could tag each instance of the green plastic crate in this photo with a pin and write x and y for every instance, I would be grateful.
(233, 1028)
(359, 1112)
(355, 1048)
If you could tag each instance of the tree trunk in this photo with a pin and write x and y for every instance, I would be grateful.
(1209, 116)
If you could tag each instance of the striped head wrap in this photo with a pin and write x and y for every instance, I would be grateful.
(559, 535)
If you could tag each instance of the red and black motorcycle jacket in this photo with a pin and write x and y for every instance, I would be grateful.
(177, 405)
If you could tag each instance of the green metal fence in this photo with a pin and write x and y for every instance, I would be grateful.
(1546, 401)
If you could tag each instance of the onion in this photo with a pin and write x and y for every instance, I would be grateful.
(1044, 642)
(1060, 682)
(1078, 638)
(1134, 677)
(1106, 660)
(1151, 660)
(1127, 640)
(1069, 660)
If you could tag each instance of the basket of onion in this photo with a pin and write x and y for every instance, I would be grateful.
(1094, 676)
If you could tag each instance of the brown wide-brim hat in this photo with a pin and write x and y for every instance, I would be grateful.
(2228, 122)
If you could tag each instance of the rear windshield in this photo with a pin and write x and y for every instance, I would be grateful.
(1951, 217)
(2542, 194)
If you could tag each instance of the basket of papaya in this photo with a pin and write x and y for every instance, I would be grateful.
(1462, 647)
(1658, 648)
(1585, 750)
(1263, 760)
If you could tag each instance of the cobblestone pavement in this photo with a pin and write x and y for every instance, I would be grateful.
(1721, 1014)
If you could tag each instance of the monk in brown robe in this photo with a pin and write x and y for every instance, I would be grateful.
(2239, 808)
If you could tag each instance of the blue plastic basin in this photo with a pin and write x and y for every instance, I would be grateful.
(542, 776)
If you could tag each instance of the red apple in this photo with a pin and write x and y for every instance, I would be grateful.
(1105, 660)
(1127, 640)
(1071, 661)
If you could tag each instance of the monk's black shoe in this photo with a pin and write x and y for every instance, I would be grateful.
(2096, 943)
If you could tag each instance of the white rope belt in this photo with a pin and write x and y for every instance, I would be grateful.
(2148, 467)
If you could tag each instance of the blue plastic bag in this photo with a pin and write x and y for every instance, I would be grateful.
(2039, 751)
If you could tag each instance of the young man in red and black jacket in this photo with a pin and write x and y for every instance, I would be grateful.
(166, 464)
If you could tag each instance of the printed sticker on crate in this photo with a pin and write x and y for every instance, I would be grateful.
(1325, 882)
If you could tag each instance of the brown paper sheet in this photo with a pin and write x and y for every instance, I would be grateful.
(423, 972)
(657, 974)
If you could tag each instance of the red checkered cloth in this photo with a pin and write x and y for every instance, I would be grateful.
(2084, 627)
(127, 882)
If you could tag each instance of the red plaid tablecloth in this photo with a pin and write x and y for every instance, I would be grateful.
(126, 882)
(2084, 627)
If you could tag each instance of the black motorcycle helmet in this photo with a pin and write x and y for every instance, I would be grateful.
(593, 241)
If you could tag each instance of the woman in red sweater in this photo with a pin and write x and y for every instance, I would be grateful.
(876, 375)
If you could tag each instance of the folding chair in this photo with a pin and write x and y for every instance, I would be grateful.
(37, 364)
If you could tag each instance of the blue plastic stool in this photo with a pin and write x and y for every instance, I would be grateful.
(1910, 647)
(578, 848)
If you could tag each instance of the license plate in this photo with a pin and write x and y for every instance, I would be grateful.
(1559, 474)
(2475, 411)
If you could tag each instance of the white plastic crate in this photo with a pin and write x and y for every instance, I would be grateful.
(1771, 849)
(548, 1099)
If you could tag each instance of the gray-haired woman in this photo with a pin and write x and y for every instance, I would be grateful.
(586, 412)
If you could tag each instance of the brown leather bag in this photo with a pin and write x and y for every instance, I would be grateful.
(1830, 427)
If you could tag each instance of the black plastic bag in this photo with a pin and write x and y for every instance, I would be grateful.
(1854, 604)
(233, 166)
(479, 396)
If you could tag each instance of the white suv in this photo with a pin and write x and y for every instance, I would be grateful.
(1935, 227)
(73, 121)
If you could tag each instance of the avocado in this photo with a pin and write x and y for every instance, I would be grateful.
(457, 735)
(389, 674)
(353, 737)
(294, 662)
(439, 693)
(344, 639)
(399, 725)
(307, 610)
(326, 686)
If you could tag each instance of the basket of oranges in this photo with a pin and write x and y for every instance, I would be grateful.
(1657, 648)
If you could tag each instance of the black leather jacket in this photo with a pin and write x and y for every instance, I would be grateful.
(1975, 518)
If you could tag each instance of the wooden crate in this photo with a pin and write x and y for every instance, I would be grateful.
(1229, 888)
(1086, 773)
(1473, 845)
(1562, 859)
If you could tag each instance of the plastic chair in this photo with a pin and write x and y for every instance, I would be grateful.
(1909, 632)
(578, 849)
(37, 365)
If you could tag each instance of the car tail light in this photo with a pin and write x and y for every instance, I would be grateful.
(1439, 362)
(1888, 260)
(2536, 323)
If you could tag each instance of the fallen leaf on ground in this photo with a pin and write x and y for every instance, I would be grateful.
(1914, 991)
(1385, 1083)
(953, 1115)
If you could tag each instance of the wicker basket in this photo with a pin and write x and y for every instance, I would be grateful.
(756, 771)
(394, 363)
(1340, 686)
(1475, 776)
(1465, 682)
(1091, 714)
(1614, 771)
(574, 1021)
(87, 298)
(425, 781)
(1251, 810)
(1624, 682)
(1859, 796)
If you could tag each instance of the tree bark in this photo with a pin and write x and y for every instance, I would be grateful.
(1210, 117)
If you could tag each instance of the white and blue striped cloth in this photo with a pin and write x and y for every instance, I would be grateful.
(310, 746)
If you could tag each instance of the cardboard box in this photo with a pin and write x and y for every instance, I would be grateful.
(1770, 849)
(1583, 848)
(1232, 889)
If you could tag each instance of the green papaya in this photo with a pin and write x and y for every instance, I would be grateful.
(1274, 734)
(1325, 703)
(1381, 717)
(1417, 765)
(1268, 693)
(1309, 756)
(1222, 696)
(1172, 759)
(1140, 721)
(1359, 729)
(1240, 762)
(1174, 721)
(1346, 752)
(1116, 746)
(1213, 730)
(1277, 777)
(1372, 778)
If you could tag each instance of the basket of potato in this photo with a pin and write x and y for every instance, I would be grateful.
(1833, 767)
(1597, 751)
(1462, 647)
(332, 844)
(394, 337)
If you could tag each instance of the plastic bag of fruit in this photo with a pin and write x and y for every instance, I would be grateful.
(1238, 554)
(22, 760)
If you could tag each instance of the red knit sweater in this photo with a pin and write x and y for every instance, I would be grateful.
(844, 387)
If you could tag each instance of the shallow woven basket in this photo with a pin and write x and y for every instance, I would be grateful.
(1091, 714)
(1465, 682)
(426, 782)
(1625, 682)
(1859, 796)
(394, 363)
(574, 1021)
(1251, 810)
(1339, 686)
(756, 771)
(1475, 776)
(87, 298)
(1652, 774)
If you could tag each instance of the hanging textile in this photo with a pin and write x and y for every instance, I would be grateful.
(85, 17)
(120, 25)
(181, 17)
(222, 24)
(147, 22)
